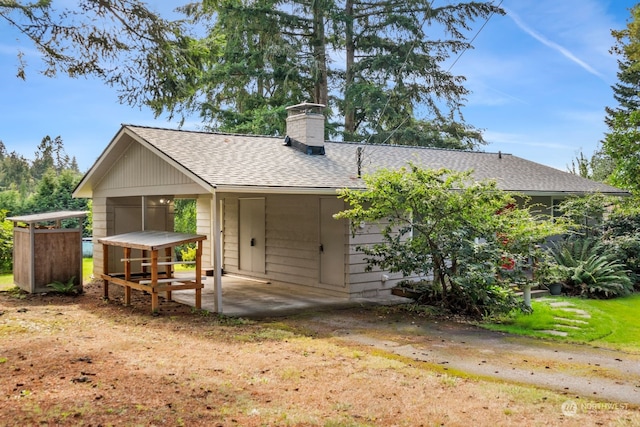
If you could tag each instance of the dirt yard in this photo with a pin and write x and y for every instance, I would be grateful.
(85, 361)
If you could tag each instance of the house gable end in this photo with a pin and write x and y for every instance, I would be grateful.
(139, 168)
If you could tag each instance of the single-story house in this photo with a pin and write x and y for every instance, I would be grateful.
(266, 204)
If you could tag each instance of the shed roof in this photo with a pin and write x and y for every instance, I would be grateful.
(233, 162)
(48, 216)
(150, 240)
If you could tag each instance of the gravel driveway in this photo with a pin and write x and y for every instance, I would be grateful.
(577, 370)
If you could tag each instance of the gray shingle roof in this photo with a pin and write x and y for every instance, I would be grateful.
(259, 161)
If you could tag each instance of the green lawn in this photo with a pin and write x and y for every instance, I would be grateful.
(6, 280)
(614, 323)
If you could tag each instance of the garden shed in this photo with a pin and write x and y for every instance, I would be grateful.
(45, 252)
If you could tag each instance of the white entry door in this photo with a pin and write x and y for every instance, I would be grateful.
(332, 246)
(251, 235)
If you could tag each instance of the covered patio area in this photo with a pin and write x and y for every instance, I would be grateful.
(243, 297)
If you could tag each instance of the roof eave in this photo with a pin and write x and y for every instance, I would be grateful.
(539, 193)
(276, 189)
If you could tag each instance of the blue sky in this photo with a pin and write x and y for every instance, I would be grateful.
(540, 79)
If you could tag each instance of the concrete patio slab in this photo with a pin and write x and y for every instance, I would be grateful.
(243, 297)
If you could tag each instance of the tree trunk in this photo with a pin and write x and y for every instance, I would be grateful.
(349, 110)
(321, 91)
(440, 276)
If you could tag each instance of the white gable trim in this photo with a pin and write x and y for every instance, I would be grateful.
(209, 187)
(115, 150)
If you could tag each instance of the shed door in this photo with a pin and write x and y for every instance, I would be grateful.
(252, 235)
(332, 234)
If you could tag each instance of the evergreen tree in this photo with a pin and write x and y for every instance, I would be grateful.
(602, 166)
(43, 160)
(73, 165)
(626, 91)
(259, 56)
(45, 184)
(66, 183)
(50, 155)
(53, 193)
(621, 146)
(44, 199)
(15, 173)
(251, 64)
(628, 39)
(580, 166)
(393, 65)
(11, 202)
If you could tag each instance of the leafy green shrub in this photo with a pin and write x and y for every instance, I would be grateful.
(16, 292)
(479, 293)
(621, 235)
(65, 288)
(6, 243)
(586, 213)
(444, 224)
(626, 249)
(621, 223)
(591, 270)
(188, 253)
(546, 270)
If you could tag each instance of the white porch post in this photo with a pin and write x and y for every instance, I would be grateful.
(216, 235)
(144, 212)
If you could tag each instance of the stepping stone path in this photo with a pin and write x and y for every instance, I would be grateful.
(570, 308)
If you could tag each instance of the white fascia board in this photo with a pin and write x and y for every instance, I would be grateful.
(621, 193)
(275, 190)
(195, 178)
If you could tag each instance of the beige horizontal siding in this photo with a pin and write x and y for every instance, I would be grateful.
(230, 258)
(361, 281)
(100, 216)
(203, 226)
(291, 238)
(284, 269)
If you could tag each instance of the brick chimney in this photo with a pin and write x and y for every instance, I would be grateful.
(305, 128)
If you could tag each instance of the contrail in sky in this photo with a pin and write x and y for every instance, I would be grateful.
(565, 52)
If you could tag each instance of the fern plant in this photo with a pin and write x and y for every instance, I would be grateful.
(590, 270)
(65, 288)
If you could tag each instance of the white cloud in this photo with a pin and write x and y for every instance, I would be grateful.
(583, 116)
(518, 140)
(483, 94)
